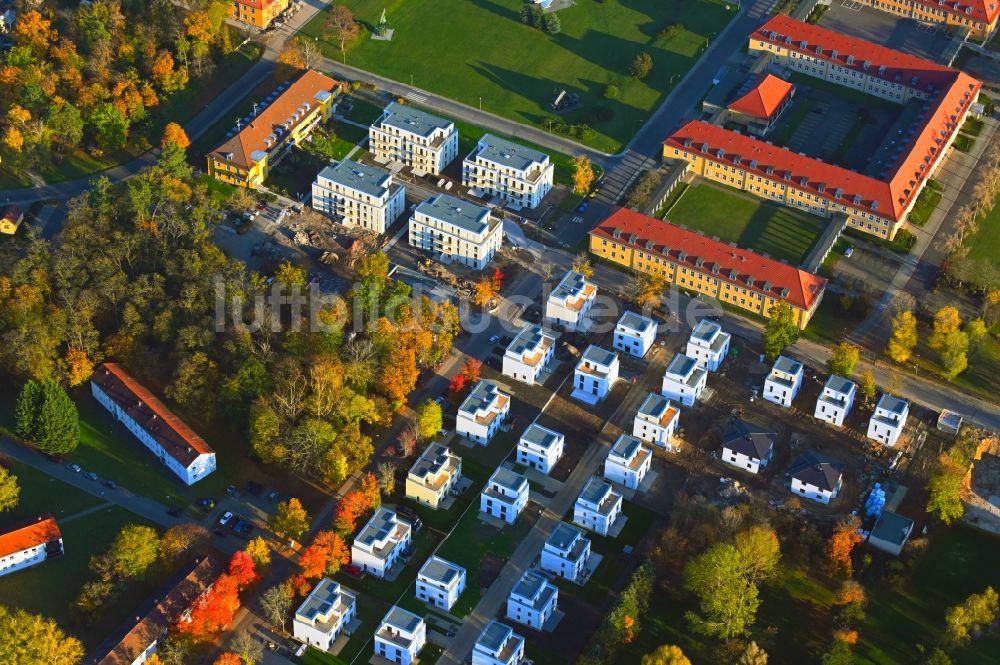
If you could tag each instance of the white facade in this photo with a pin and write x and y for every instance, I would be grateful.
(656, 421)
(433, 475)
(836, 400)
(401, 636)
(683, 380)
(440, 583)
(181, 450)
(358, 195)
(816, 479)
(518, 175)
(595, 374)
(532, 600)
(889, 419)
(454, 230)
(708, 345)
(634, 334)
(747, 447)
(528, 354)
(598, 506)
(29, 545)
(566, 553)
(540, 448)
(627, 462)
(784, 381)
(324, 615)
(381, 543)
(483, 411)
(505, 495)
(569, 304)
(498, 645)
(413, 138)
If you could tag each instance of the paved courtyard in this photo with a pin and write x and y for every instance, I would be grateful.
(904, 34)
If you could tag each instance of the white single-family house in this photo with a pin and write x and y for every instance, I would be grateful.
(381, 543)
(784, 381)
(889, 419)
(598, 506)
(519, 175)
(816, 478)
(628, 462)
(30, 543)
(433, 475)
(505, 495)
(440, 582)
(401, 636)
(708, 344)
(656, 421)
(747, 446)
(532, 600)
(683, 380)
(540, 448)
(498, 644)
(528, 354)
(483, 411)
(566, 553)
(635, 334)
(570, 302)
(836, 400)
(595, 374)
(324, 614)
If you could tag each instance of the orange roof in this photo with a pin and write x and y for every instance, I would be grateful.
(980, 10)
(721, 260)
(40, 531)
(259, 4)
(266, 126)
(177, 439)
(764, 100)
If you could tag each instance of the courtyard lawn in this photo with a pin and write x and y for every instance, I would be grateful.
(985, 243)
(776, 230)
(926, 203)
(41, 494)
(471, 50)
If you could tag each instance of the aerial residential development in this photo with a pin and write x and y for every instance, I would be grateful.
(589, 332)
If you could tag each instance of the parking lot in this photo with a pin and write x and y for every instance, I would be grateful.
(904, 34)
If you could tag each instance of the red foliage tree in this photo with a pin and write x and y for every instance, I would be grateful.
(457, 384)
(228, 658)
(471, 368)
(351, 506)
(213, 612)
(497, 279)
(243, 570)
(300, 585)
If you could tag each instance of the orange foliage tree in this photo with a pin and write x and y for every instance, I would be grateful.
(351, 506)
(324, 556)
(228, 658)
(841, 546)
(214, 610)
(174, 133)
(369, 488)
(243, 570)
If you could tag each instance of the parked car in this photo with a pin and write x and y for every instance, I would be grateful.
(439, 400)
(583, 206)
(205, 503)
(849, 251)
(231, 490)
(90, 475)
(226, 518)
(75, 468)
(494, 339)
(110, 484)
(272, 495)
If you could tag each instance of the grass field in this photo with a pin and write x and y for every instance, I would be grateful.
(985, 244)
(41, 494)
(773, 229)
(467, 50)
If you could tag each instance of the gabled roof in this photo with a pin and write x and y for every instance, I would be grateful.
(816, 470)
(747, 439)
(38, 531)
(981, 10)
(764, 99)
(723, 261)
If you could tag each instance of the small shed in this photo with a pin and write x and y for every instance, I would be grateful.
(949, 422)
(11, 220)
(891, 532)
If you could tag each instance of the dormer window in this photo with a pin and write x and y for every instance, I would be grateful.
(881, 70)
(753, 163)
(732, 273)
(856, 199)
(650, 244)
(803, 44)
(632, 238)
(803, 181)
(874, 205)
(616, 232)
(866, 65)
(850, 59)
(699, 262)
(720, 153)
(688, 143)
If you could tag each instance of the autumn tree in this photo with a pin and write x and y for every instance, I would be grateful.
(180, 540)
(341, 26)
(386, 473)
(370, 490)
(290, 519)
(752, 654)
(976, 331)
(641, 66)
(582, 265)
(904, 337)
(667, 654)
(457, 383)
(728, 601)
(259, 552)
(867, 386)
(248, 648)
(174, 133)
(780, 331)
(277, 603)
(840, 547)
(483, 292)
(30, 639)
(242, 569)
(945, 488)
(10, 491)
(975, 612)
(760, 553)
(135, 549)
(583, 175)
(646, 289)
(843, 358)
(324, 556)
(349, 509)
(213, 611)
(227, 658)
(429, 420)
(471, 367)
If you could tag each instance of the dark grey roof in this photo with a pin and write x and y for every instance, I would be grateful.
(706, 330)
(507, 479)
(494, 636)
(892, 404)
(507, 153)
(748, 439)
(464, 214)
(528, 339)
(598, 356)
(361, 177)
(540, 436)
(787, 365)
(625, 446)
(402, 619)
(563, 536)
(655, 405)
(840, 385)
(681, 365)
(412, 120)
(816, 470)
(636, 322)
(892, 528)
(440, 570)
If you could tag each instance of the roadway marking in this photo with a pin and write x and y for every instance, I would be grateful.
(578, 219)
(416, 97)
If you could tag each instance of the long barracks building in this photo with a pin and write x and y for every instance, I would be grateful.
(877, 204)
(979, 16)
(711, 267)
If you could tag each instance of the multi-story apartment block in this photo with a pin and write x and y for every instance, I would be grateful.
(505, 495)
(595, 374)
(568, 305)
(634, 334)
(518, 175)
(358, 195)
(708, 345)
(456, 230)
(979, 17)
(498, 645)
(683, 380)
(815, 478)
(532, 600)
(747, 446)
(627, 462)
(540, 448)
(876, 205)
(889, 419)
(257, 13)
(598, 506)
(783, 383)
(717, 269)
(836, 400)
(285, 119)
(433, 475)
(424, 142)
(483, 411)
(566, 553)
(324, 615)
(148, 419)
(762, 104)
(528, 354)
(381, 543)
(440, 582)
(401, 636)
(656, 421)
(29, 544)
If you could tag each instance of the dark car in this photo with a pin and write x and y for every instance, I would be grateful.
(110, 484)
(231, 490)
(406, 511)
(205, 504)
(175, 512)
(90, 475)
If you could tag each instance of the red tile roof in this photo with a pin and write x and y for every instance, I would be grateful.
(764, 100)
(258, 4)
(721, 260)
(254, 136)
(980, 10)
(177, 439)
(40, 531)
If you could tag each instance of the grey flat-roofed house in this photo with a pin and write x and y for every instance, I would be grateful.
(456, 230)
(422, 141)
(519, 175)
(358, 195)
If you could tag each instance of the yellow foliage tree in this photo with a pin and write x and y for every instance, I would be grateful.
(259, 552)
(904, 337)
(79, 367)
(174, 133)
(583, 175)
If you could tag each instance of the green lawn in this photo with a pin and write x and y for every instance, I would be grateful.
(516, 70)
(924, 206)
(51, 588)
(776, 230)
(41, 494)
(985, 244)
(964, 142)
